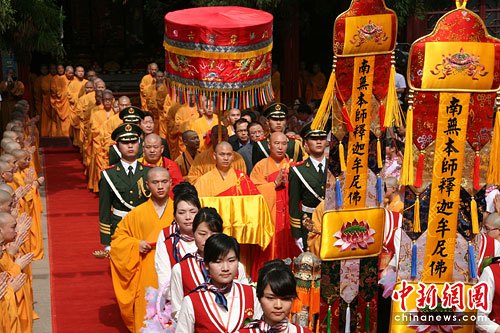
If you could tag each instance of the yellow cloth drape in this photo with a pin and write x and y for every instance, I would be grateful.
(246, 218)
(131, 271)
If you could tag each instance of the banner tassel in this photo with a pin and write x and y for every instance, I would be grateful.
(494, 162)
(477, 169)
(342, 156)
(379, 154)
(338, 193)
(393, 112)
(407, 167)
(472, 264)
(380, 196)
(420, 169)
(348, 319)
(414, 260)
(473, 217)
(416, 216)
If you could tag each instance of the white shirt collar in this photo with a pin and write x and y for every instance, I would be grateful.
(316, 163)
(126, 165)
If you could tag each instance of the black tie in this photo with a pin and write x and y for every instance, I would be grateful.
(320, 170)
(130, 171)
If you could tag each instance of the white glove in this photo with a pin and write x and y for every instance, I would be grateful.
(300, 244)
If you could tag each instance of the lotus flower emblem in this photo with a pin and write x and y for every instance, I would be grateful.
(354, 235)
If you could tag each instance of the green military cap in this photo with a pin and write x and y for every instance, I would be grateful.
(126, 133)
(308, 133)
(131, 114)
(276, 110)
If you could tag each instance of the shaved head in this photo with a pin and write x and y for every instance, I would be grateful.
(222, 145)
(7, 188)
(277, 146)
(152, 148)
(11, 146)
(158, 171)
(7, 228)
(5, 201)
(223, 155)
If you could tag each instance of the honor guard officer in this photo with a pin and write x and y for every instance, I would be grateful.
(122, 186)
(307, 182)
(129, 115)
(276, 119)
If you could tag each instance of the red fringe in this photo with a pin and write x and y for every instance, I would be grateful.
(477, 168)
(347, 119)
(420, 170)
(381, 113)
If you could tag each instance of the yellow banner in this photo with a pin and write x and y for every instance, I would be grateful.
(458, 65)
(368, 34)
(356, 180)
(351, 234)
(449, 154)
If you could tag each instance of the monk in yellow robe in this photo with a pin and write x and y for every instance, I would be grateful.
(80, 107)
(133, 249)
(74, 92)
(207, 120)
(59, 99)
(146, 81)
(99, 115)
(87, 106)
(9, 322)
(204, 162)
(12, 90)
(14, 267)
(270, 175)
(224, 180)
(179, 119)
(45, 81)
(155, 98)
(186, 159)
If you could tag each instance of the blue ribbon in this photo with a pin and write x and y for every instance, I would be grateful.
(338, 194)
(380, 197)
(472, 264)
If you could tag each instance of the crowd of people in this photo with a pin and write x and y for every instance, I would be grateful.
(20, 217)
(152, 166)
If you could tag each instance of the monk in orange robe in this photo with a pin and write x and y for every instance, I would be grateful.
(133, 249)
(74, 92)
(155, 98)
(99, 115)
(45, 81)
(186, 159)
(224, 180)
(207, 120)
(59, 100)
(152, 155)
(270, 175)
(204, 162)
(146, 81)
(87, 106)
(77, 121)
(179, 119)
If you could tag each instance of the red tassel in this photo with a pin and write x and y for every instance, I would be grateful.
(477, 168)
(347, 119)
(420, 170)
(381, 113)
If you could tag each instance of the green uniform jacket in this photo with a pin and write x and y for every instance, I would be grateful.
(301, 200)
(293, 150)
(132, 191)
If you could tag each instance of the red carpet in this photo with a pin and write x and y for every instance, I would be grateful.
(81, 289)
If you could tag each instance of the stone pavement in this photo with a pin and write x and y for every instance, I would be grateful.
(41, 280)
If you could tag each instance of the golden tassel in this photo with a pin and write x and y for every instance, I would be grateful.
(326, 105)
(473, 216)
(416, 216)
(393, 110)
(379, 154)
(407, 167)
(342, 156)
(494, 162)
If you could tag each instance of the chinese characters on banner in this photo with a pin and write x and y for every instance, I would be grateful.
(445, 193)
(357, 158)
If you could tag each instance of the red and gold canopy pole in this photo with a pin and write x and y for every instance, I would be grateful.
(221, 53)
(454, 79)
(360, 101)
